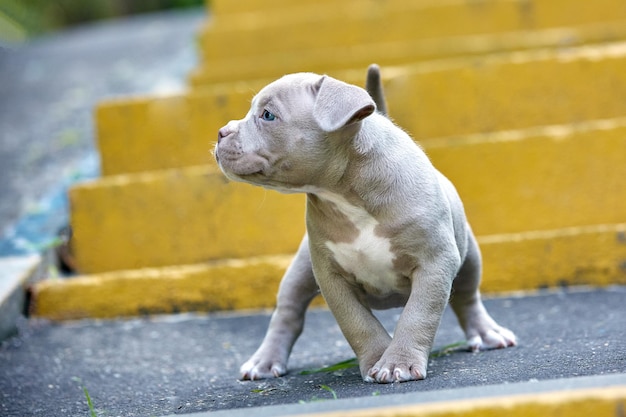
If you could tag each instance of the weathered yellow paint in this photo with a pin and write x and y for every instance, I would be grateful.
(591, 255)
(152, 133)
(600, 402)
(430, 100)
(163, 125)
(406, 51)
(506, 91)
(510, 91)
(179, 217)
(537, 179)
(212, 286)
(226, 7)
(367, 22)
(594, 255)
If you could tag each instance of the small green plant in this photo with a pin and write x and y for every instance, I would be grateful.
(316, 398)
(353, 362)
(339, 366)
(448, 349)
(92, 410)
(264, 391)
(329, 389)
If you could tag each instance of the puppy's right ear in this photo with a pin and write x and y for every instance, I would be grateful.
(339, 104)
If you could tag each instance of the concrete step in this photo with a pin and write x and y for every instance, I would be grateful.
(539, 178)
(542, 178)
(324, 59)
(187, 364)
(15, 273)
(357, 23)
(591, 255)
(232, 284)
(434, 99)
(177, 217)
(229, 8)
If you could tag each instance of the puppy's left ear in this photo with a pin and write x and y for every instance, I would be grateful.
(339, 104)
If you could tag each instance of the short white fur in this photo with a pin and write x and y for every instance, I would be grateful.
(369, 257)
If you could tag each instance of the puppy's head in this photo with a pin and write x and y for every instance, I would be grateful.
(293, 130)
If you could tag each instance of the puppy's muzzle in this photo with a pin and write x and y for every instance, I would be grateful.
(221, 134)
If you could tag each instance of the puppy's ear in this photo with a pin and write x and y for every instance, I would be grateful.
(339, 104)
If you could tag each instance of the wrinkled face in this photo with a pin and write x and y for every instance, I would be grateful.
(278, 144)
(291, 138)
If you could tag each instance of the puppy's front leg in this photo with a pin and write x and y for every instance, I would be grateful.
(406, 358)
(365, 334)
(297, 289)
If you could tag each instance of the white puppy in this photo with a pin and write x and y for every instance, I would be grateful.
(384, 227)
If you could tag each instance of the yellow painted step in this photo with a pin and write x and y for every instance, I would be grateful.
(511, 91)
(588, 255)
(592, 255)
(213, 286)
(434, 99)
(355, 23)
(600, 402)
(158, 132)
(538, 179)
(178, 217)
(223, 8)
(323, 59)
(228, 7)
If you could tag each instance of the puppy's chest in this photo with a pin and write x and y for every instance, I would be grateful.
(366, 255)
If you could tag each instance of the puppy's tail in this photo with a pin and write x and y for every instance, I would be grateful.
(374, 87)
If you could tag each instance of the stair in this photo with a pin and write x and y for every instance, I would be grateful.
(520, 103)
(255, 43)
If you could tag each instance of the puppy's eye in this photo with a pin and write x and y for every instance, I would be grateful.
(268, 116)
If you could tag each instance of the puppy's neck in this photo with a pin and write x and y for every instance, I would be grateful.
(370, 165)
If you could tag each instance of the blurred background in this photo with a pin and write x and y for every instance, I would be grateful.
(134, 103)
(58, 60)
(23, 19)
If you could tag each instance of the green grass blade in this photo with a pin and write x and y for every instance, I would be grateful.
(347, 364)
(92, 411)
(329, 389)
(447, 349)
(353, 362)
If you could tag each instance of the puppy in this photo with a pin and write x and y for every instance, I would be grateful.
(384, 227)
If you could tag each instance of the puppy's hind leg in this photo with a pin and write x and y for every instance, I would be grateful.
(481, 330)
(297, 289)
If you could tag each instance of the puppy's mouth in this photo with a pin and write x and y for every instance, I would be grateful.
(261, 179)
(241, 172)
(241, 167)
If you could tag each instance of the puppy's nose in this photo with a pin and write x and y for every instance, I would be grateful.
(222, 133)
(229, 129)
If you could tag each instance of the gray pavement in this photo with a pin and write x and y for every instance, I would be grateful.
(188, 363)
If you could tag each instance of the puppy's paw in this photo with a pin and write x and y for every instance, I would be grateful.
(397, 368)
(491, 337)
(259, 368)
